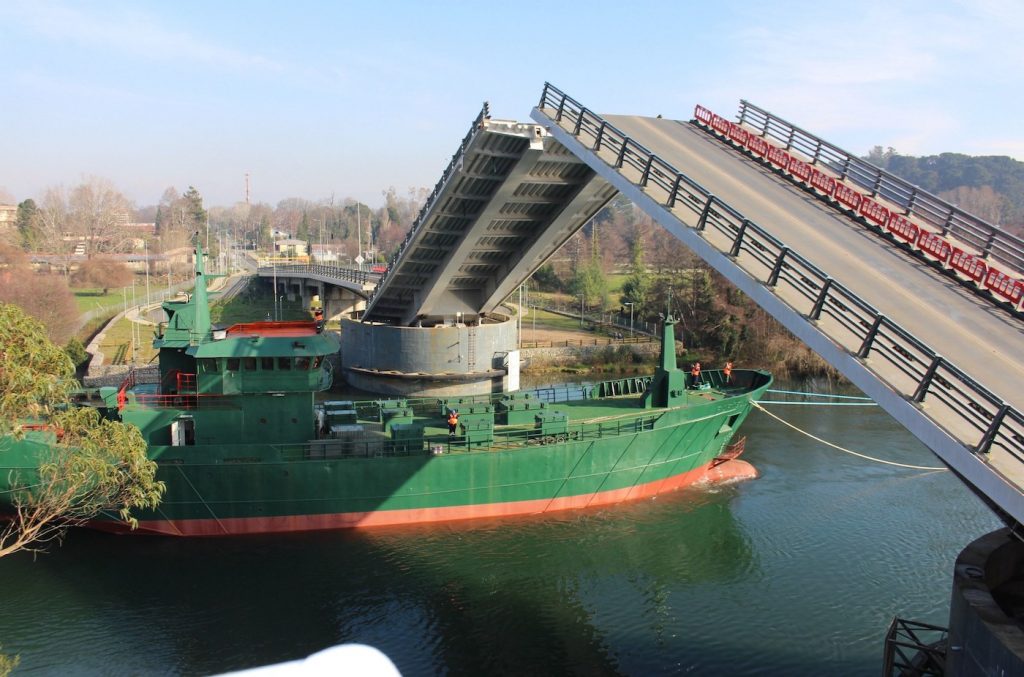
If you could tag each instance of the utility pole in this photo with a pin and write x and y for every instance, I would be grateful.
(145, 244)
(359, 235)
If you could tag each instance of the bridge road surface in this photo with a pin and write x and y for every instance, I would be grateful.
(981, 339)
(969, 331)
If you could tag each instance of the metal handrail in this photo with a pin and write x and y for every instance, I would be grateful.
(421, 218)
(336, 271)
(998, 424)
(992, 241)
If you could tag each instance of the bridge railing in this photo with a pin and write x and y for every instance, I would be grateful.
(842, 315)
(991, 241)
(449, 171)
(337, 272)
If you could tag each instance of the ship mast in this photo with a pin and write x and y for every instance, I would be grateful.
(201, 324)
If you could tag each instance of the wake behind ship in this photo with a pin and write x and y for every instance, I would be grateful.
(244, 447)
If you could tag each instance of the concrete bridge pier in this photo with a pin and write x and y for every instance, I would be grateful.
(456, 356)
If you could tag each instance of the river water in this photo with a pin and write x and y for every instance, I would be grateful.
(796, 573)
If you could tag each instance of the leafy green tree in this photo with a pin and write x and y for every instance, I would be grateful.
(637, 287)
(547, 279)
(7, 664)
(28, 224)
(76, 351)
(302, 232)
(591, 283)
(91, 464)
(194, 212)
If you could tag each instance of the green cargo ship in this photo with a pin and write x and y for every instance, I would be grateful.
(244, 446)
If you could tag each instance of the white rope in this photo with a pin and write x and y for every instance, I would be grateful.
(842, 449)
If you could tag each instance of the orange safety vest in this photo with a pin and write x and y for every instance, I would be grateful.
(695, 371)
(453, 419)
(728, 370)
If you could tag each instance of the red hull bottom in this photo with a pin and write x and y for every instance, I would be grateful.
(733, 470)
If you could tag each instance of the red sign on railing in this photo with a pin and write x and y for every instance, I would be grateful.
(738, 134)
(823, 182)
(720, 124)
(968, 264)
(1004, 285)
(778, 157)
(934, 246)
(847, 196)
(901, 227)
(757, 145)
(800, 170)
(873, 211)
(703, 114)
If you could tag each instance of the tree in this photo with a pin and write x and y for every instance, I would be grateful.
(28, 224)
(98, 214)
(44, 297)
(103, 272)
(194, 212)
(53, 225)
(87, 464)
(637, 286)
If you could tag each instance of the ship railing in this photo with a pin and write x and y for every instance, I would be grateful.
(380, 447)
(184, 401)
(914, 648)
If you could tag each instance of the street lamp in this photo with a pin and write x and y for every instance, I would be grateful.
(630, 304)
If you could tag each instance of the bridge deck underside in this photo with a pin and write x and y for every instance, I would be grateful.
(515, 198)
(979, 338)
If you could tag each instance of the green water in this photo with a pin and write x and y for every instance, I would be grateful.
(796, 573)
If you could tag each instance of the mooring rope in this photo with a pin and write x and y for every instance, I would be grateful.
(822, 404)
(806, 394)
(843, 449)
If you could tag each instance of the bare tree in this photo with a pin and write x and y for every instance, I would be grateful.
(44, 297)
(53, 224)
(99, 213)
(103, 272)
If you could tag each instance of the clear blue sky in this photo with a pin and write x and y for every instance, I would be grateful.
(350, 98)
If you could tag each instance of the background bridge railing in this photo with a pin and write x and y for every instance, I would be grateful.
(337, 272)
(991, 241)
(963, 407)
(428, 204)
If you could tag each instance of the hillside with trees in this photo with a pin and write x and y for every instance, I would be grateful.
(990, 186)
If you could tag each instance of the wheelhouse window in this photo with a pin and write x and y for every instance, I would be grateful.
(267, 363)
(317, 360)
(249, 363)
(284, 363)
(302, 363)
(233, 363)
(207, 365)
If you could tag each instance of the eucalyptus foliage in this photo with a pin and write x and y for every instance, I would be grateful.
(85, 465)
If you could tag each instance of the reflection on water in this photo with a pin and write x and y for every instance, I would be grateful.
(798, 572)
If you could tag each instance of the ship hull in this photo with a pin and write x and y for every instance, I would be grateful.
(238, 497)
(734, 470)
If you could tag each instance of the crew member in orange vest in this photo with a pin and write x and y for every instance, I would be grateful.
(727, 371)
(453, 422)
(695, 373)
